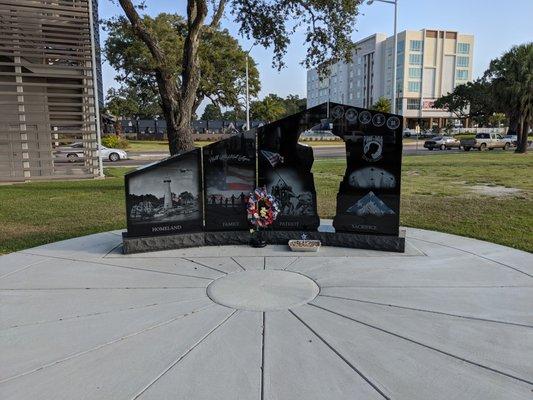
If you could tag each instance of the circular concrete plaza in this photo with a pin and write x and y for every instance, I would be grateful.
(451, 318)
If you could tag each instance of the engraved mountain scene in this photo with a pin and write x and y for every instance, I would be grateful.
(370, 204)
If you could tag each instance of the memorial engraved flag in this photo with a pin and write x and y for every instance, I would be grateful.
(229, 174)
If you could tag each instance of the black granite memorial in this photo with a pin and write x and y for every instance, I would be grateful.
(369, 195)
(198, 197)
(165, 197)
(229, 176)
(285, 168)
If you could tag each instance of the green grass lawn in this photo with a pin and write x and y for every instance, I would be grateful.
(436, 194)
(162, 145)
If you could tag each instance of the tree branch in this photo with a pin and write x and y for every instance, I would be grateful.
(141, 30)
(218, 13)
(196, 13)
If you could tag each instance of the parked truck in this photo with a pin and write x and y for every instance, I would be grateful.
(485, 141)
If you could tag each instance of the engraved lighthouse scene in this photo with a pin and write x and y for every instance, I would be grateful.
(170, 195)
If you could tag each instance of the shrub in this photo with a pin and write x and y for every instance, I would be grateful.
(115, 142)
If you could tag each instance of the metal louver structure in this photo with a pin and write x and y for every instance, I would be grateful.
(49, 77)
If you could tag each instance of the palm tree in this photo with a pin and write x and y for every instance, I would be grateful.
(511, 77)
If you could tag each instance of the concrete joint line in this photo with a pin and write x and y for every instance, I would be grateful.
(424, 345)
(109, 264)
(353, 367)
(428, 311)
(143, 390)
(206, 266)
(110, 288)
(81, 353)
(291, 263)
(22, 269)
(238, 263)
(263, 356)
(98, 313)
(477, 255)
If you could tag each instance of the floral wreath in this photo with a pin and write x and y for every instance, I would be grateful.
(263, 208)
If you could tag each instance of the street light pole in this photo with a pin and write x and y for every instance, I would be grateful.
(248, 88)
(247, 96)
(395, 58)
(395, 50)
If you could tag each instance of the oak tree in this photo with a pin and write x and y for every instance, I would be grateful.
(327, 27)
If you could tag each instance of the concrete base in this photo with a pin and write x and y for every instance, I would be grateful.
(326, 234)
(448, 319)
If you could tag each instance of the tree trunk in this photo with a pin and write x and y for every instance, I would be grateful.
(522, 137)
(117, 125)
(177, 115)
(514, 122)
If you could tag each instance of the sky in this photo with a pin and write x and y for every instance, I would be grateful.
(496, 25)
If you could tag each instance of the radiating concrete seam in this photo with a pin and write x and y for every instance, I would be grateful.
(425, 345)
(238, 263)
(263, 356)
(478, 255)
(429, 286)
(429, 311)
(353, 367)
(116, 247)
(100, 263)
(81, 353)
(22, 268)
(291, 263)
(203, 265)
(98, 313)
(159, 376)
(107, 288)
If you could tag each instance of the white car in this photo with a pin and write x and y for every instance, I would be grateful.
(74, 153)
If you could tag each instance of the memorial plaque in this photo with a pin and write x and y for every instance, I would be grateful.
(229, 176)
(165, 197)
(285, 168)
(369, 195)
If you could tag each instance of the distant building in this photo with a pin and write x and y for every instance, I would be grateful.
(430, 63)
(48, 87)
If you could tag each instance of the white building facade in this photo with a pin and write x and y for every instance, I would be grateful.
(430, 63)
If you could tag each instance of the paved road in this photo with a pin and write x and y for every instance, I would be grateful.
(141, 158)
(335, 152)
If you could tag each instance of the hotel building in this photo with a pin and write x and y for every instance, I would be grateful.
(430, 63)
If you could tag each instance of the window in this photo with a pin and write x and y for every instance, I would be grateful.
(415, 59)
(415, 72)
(462, 61)
(413, 104)
(400, 60)
(416, 45)
(413, 86)
(463, 48)
(400, 47)
(462, 75)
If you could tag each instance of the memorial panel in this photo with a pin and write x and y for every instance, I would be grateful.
(285, 168)
(165, 197)
(229, 176)
(369, 195)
